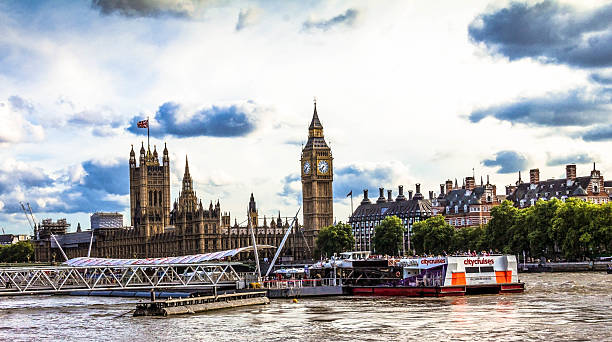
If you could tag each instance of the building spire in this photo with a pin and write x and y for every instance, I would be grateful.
(187, 182)
(315, 123)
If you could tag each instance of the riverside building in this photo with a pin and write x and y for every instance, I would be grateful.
(589, 188)
(468, 205)
(368, 215)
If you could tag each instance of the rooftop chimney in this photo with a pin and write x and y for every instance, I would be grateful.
(409, 194)
(365, 200)
(401, 196)
(510, 189)
(470, 183)
(441, 189)
(381, 197)
(534, 176)
(431, 195)
(417, 193)
(389, 198)
(449, 186)
(570, 172)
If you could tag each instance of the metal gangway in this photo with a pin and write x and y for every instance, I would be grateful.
(61, 279)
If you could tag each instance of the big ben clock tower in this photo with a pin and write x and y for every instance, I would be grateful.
(317, 176)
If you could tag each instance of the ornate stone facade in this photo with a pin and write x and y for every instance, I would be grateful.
(191, 228)
(157, 230)
(317, 177)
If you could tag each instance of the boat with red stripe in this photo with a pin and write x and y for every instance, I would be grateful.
(448, 276)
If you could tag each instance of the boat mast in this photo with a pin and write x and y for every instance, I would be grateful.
(283, 242)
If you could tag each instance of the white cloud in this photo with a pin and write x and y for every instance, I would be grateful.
(393, 94)
(15, 127)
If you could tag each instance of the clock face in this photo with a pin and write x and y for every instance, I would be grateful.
(323, 166)
(306, 168)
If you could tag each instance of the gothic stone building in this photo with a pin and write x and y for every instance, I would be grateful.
(189, 227)
(317, 178)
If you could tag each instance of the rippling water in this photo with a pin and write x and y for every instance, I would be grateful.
(556, 306)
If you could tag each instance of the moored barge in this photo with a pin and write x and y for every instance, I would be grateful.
(448, 276)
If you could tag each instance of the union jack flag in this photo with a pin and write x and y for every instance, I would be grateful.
(143, 124)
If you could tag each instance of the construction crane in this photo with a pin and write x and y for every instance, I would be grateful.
(33, 220)
(31, 223)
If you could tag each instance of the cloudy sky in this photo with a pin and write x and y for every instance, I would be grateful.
(408, 91)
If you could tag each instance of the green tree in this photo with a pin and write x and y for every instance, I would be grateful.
(539, 219)
(570, 225)
(601, 225)
(468, 238)
(335, 239)
(22, 251)
(518, 234)
(503, 217)
(388, 236)
(433, 236)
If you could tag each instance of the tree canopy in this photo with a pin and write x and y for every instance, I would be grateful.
(388, 236)
(335, 239)
(433, 235)
(22, 251)
(570, 230)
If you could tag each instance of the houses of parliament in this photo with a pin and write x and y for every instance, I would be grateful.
(161, 227)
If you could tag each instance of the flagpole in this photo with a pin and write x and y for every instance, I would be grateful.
(351, 202)
(148, 144)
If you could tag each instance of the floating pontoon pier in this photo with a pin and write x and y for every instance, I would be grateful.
(200, 304)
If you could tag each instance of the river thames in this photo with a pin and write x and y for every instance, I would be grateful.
(555, 306)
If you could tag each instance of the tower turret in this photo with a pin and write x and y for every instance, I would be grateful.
(187, 181)
(252, 212)
(132, 158)
(142, 154)
(317, 177)
(165, 158)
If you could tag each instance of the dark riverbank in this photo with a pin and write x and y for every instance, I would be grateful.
(585, 266)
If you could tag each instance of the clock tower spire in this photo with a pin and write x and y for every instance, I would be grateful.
(317, 177)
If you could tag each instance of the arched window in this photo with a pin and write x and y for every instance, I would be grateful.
(154, 197)
(150, 198)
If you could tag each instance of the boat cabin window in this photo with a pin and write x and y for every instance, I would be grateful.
(483, 269)
(472, 270)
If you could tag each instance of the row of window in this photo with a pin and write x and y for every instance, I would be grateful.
(466, 222)
(485, 208)
(371, 224)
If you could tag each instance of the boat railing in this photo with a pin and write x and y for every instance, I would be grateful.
(299, 283)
